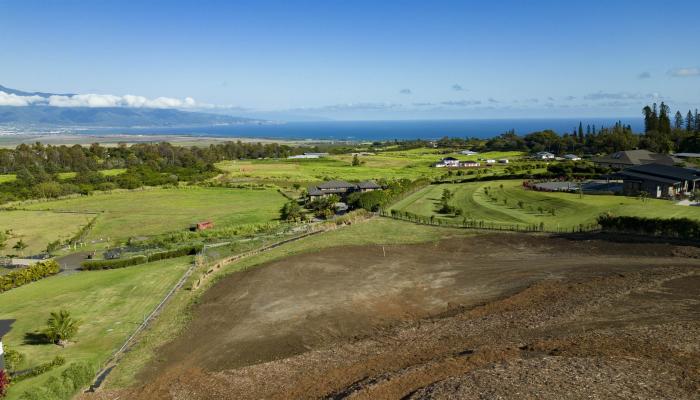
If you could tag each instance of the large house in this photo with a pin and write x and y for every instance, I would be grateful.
(447, 162)
(630, 158)
(340, 188)
(660, 181)
(544, 155)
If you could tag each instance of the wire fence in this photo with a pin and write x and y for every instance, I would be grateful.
(468, 223)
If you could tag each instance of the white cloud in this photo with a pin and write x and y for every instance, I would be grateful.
(10, 99)
(684, 72)
(100, 101)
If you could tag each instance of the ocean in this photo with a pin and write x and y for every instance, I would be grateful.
(376, 130)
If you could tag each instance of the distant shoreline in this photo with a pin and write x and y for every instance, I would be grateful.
(14, 140)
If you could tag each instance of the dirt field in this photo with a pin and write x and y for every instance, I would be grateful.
(497, 316)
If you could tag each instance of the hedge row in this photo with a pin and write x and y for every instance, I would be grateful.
(40, 369)
(28, 274)
(75, 377)
(94, 265)
(683, 228)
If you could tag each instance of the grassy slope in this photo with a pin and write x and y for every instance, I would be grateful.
(156, 211)
(401, 164)
(39, 228)
(175, 316)
(570, 210)
(110, 305)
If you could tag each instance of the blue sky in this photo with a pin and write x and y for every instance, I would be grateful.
(363, 59)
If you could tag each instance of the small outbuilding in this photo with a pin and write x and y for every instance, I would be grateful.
(200, 226)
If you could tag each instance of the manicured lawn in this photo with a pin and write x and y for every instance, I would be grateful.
(110, 305)
(154, 211)
(569, 209)
(7, 178)
(410, 164)
(38, 228)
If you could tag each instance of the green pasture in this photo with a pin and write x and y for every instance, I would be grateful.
(518, 206)
(38, 228)
(411, 164)
(153, 211)
(66, 175)
(110, 305)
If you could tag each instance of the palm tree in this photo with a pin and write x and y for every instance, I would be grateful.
(20, 246)
(61, 327)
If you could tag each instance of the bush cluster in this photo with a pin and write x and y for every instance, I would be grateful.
(28, 274)
(683, 228)
(40, 369)
(72, 379)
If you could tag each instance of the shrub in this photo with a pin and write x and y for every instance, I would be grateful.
(13, 359)
(29, 274)
(179, 252)
(61, 326)
(73, 378)
(94, 265)
(4, 382)
(40, 369)
(683, 228)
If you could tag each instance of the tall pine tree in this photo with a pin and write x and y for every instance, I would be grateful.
(689, 122)
(678, 121)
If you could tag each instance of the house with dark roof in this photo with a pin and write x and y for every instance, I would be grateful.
(660, 181)
(340, 188)
(631, 158)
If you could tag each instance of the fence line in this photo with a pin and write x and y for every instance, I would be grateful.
(484, 225)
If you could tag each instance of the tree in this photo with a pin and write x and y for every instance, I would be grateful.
(689, 122)
(651, 123)
(355, 160)
(20, 246)
(61, 327)
(664, 119)
(678, 120)
(291, 212)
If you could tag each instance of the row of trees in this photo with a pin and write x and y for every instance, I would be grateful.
(665, 134)
(54, 159)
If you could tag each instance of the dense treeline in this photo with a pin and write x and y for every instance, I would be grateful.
(683, 228)
(661, 134)
(28, 274)
(149, 164)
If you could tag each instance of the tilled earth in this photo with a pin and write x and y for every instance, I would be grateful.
(487, 317)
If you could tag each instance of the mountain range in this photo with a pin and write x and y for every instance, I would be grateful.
(51, 116)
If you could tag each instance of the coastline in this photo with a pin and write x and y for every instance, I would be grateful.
(13, 140)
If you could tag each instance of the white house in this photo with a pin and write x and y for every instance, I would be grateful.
(309, 155)
(447, 162)
(490, 161)
(503, 161)
(469, 164)
(468, 152)
(544, 155)
(572, 157)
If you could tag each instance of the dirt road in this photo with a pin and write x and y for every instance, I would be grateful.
(472, 317)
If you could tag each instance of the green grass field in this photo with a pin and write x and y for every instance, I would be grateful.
(110, 305)
(39, 228)
(569, 209)
(67, 175)
(410, 164)
(154, 211)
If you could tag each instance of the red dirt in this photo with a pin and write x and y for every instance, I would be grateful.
(494, 316)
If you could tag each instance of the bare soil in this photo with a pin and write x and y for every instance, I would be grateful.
(494, 316)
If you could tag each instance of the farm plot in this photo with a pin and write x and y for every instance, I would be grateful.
(148, 212)
(507, 202)
(411, 164)
(39, 228)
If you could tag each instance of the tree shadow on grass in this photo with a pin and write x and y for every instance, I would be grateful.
(36, 338)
